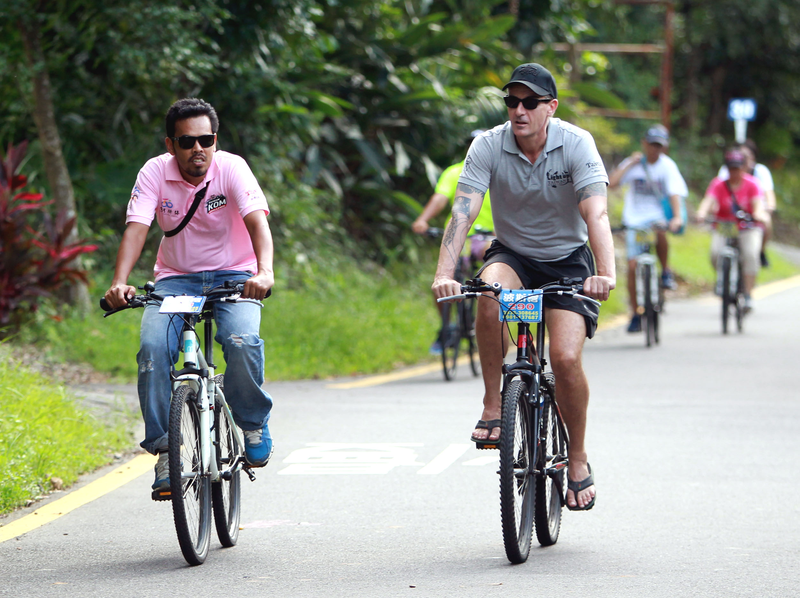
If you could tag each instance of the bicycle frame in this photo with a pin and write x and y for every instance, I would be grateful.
(198, 372)
(530, 366)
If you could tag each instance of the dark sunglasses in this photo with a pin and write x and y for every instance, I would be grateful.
(529, 103)
(187, 141)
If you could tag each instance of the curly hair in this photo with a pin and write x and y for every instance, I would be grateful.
(189, 108)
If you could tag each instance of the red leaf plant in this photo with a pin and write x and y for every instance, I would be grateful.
(33, 265)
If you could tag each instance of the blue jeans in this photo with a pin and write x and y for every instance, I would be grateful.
(237, 332)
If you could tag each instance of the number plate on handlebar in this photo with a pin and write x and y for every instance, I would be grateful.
(521, 305)
(182, 304)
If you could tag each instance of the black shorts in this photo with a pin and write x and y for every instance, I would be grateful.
(533, 274)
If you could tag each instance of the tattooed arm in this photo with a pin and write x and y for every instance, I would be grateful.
(465, 209)
(593, 206)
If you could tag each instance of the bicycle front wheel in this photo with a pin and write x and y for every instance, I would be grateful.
(226, 493)
(649, 310)
(189, 485)
(451, 338)
(727, 300)
(552, 462)
(516, 488)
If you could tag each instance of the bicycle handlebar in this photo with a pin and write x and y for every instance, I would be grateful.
(227, 289)
(563, 286)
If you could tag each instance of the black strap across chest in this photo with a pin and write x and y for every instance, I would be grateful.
(198, 197)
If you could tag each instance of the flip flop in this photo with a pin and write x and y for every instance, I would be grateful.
(485, 443)
(578, 486)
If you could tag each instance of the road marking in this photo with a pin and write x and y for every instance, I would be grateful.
(52, 511)
(325, 458)
(444, 459)
(776, 287)
(481, 461)
(394, 376)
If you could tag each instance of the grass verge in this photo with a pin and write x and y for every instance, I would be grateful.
(46, 438)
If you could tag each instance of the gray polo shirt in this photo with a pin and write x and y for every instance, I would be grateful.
(535, 206)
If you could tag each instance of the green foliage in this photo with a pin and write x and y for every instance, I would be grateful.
(34, 263)
(44, 434)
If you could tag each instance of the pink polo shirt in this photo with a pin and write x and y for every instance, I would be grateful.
(216, 237)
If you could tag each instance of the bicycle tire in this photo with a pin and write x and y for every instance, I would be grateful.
(726, 292)
(552, 459)
(647, 274)
(468, 332)
(191, 496)
(516, 486)
(740, 303)
(451, 339)
(226, 493)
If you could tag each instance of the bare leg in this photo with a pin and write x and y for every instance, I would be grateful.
(492, 346)
(567, 332)
(632, 285)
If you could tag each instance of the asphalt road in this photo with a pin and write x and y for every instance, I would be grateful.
(376, 491)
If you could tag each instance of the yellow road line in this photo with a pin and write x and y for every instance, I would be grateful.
(776, 287)
(394, 376)
(51, 511)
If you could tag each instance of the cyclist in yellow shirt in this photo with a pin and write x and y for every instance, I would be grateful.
(443, 195)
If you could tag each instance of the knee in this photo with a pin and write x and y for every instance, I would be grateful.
(242, 341)
(565, 361)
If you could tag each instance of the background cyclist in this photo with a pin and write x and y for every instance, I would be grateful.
(548, 189)
(650, 176)
(444, 195)
(228, 238)
(764, 176)
(723, 199)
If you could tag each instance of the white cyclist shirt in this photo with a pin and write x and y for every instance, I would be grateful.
(647, 185)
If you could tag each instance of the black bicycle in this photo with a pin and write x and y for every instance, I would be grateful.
(533, 439)
(730, 280)
(206, 447)
(458, 319)
(649, 291)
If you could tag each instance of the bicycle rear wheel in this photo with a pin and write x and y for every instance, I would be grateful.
(191, 496)
(468, 331)
(516, 487)
(451, 338)
(552, 461)
(740, 303)
(726, 292)
(226, 494)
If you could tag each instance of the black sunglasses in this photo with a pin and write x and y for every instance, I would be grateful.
(187, 141)
(529, 103)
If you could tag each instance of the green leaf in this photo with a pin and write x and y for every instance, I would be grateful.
(596, 96)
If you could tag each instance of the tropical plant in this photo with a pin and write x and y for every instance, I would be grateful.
(33, 264)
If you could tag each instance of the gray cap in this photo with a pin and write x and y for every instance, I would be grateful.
(657, 134)
(534, 76)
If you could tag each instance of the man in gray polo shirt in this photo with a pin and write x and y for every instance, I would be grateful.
(548, 188)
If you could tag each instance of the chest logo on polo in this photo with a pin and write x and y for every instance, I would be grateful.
(215, 202)
(557, 178)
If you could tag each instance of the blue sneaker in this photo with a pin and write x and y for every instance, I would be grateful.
(636, 324)
(668, 280)
(257, 447)
(436, 347)
(161, 490)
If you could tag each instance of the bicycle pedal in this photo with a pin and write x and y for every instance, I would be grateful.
(249, 473)
(486, 445)
(161, 495)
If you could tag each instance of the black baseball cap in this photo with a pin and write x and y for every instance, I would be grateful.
(534, 76)
(734, 159)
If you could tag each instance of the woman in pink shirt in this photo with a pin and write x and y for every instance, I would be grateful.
(731, 201)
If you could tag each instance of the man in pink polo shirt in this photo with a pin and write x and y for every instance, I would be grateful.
(227, 238)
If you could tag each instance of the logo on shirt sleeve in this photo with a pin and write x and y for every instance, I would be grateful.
(594, 167)
(134, 195)
(215, 202)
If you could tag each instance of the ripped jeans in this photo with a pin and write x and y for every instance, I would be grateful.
(237, 332)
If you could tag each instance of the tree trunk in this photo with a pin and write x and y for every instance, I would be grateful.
(54, 164)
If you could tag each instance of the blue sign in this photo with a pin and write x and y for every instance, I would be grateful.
(742, 109)
(521, 305)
